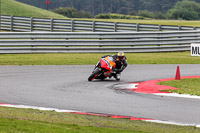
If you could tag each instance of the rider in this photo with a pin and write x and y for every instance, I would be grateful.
(120, 60)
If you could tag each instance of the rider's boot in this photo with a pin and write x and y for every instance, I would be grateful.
(118, 76)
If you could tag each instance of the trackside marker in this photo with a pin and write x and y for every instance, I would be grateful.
(178, 75)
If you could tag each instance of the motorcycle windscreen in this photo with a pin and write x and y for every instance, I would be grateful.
(105, 64)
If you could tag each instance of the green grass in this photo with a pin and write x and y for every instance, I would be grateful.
(31, 121)
(186, 86)
(15, 125)
(12, 7)
(93, 58)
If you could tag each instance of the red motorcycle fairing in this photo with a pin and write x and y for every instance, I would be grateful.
(105, 64)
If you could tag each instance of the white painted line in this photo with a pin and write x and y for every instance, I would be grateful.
(173, 123)
(126, 86)
(178, 95)
(134, 86)
(38, 108)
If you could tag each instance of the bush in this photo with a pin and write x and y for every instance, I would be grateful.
(68, 12)
(72, 13)
(145, 13)
(103, 16)
(160, 15)
(133, 13)
(117, 16)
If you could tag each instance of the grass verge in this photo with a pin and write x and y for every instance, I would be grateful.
(186, 86)
(29, 120)
(93, 58)
(15, 8)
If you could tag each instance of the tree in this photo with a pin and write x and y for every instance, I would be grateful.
(158, 5)
(187, 10)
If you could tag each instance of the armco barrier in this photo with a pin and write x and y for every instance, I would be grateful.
(90, 42)
(29, 24)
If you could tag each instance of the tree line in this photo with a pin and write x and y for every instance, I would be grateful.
(106, 6)
(161, 9)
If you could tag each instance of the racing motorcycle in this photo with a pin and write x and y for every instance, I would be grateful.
(103, 69)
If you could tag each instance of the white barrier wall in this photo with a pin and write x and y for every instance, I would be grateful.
(195, 49)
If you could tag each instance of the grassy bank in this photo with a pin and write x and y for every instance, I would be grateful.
(186, 86)
(91, 59)
(28, 120)
(12, 7)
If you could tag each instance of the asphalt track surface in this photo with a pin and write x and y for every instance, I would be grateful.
(66, 87)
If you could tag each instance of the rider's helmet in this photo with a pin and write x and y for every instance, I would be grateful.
(120, 56)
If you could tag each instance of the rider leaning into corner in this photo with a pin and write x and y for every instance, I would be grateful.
(121, 62)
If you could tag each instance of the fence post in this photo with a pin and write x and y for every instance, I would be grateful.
(72, 25)
(137, 27)
(51, 25)
(11, 23)
(93, 26)
(31, 24)
(179, 27)
(160, 27)
(115, 27)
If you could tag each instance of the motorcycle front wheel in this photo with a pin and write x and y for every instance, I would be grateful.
(94, 75)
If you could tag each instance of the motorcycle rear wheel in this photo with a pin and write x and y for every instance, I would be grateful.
(94, 75)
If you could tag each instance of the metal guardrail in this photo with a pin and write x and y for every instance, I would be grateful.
(29, 24)
(94, 42)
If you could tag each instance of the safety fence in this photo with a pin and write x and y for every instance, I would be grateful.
(30, 24)
(94, 42)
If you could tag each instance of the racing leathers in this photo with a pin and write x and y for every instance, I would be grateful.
(120, 64)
